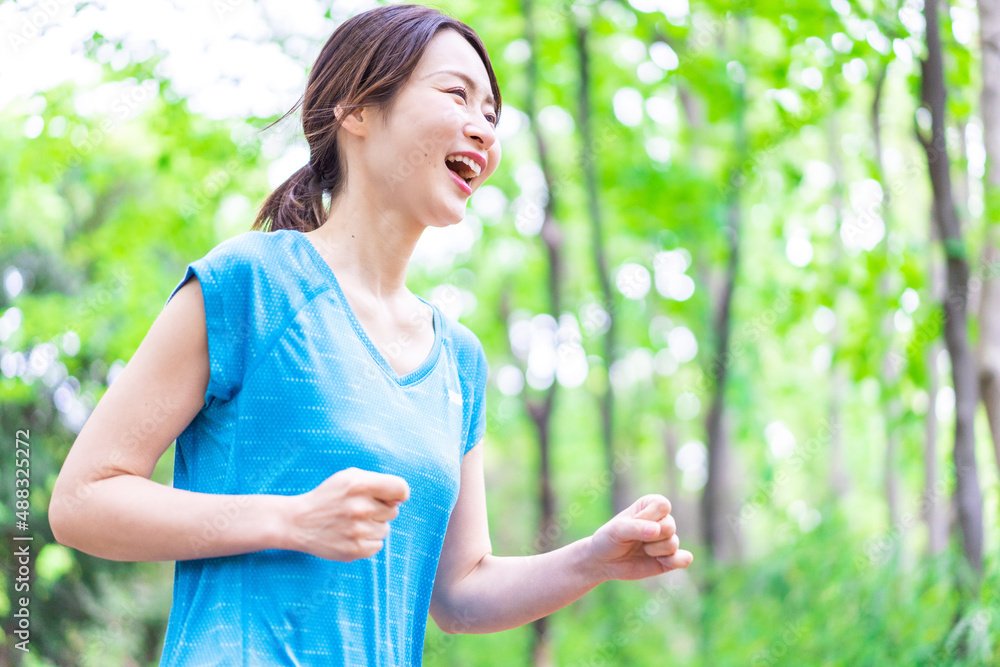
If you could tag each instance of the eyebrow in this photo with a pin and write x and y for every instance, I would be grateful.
(468, 81)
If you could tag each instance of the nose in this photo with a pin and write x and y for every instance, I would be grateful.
(482, 131)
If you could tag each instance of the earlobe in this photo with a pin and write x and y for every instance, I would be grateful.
(353, 122)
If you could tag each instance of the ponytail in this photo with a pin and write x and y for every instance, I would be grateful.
(295, 204)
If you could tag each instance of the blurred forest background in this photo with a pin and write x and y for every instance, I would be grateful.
(745, 254)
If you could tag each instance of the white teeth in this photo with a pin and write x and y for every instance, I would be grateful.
(473, 165)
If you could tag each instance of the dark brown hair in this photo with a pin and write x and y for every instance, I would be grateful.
(365, 63)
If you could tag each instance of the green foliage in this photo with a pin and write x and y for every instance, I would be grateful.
(100, 213)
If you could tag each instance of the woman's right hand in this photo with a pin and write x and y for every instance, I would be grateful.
(347, 516)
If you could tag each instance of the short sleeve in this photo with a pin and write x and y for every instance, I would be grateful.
(477, 422)
(225, 287)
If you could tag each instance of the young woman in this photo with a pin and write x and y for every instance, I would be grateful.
(328, 483)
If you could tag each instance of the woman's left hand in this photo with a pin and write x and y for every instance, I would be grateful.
(639, 542)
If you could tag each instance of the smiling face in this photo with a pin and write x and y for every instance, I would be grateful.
(445, 108)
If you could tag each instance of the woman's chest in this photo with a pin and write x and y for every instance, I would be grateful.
(315, 406)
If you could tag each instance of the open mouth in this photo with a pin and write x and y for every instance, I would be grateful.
(462, 170)
(463, 183)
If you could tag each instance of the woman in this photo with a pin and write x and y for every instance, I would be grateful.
(316, 401)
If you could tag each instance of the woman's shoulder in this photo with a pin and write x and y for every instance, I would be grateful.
(464, 341)
(262, 266)
(252, 247)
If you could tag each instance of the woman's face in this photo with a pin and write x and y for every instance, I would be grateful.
(436, 114)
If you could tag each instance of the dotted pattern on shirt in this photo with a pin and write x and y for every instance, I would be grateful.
(297, 392)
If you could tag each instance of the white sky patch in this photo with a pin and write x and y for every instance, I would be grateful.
(863, 226)
(664, 362)
(439, 246)
(222, 58)
(627, 104)
(682, 344)
(822, 52)
(787, 98)
(556, 120)
(944, 405)
(855, 71)
(819, 174)
(687, 406)
(675, 11)
(736, 72)
(841, 42)
(812, 78)
(13, 281)
(658, 149)
(692, 460)
(648, 72)
(517, 51)
(878, 41)
(671, 281)
(821, 357)
(799, 249)
(510, 380)
(824, 319)
(633, 280)
(662, 110)
(10, 322)
(630, 51)
(664, 56)
(780, 439)
(902, 321)
(489, 201)
(964, 24)
(691, 456)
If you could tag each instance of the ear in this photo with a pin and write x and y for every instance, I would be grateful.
(357, 121)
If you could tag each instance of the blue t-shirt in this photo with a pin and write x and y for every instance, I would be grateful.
(297, 391)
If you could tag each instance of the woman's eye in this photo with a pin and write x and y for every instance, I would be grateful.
(489, 117)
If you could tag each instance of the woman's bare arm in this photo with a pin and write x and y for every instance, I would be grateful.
(104, 502)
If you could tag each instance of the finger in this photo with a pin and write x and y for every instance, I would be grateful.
(387, 488)
(662, 547)
(370, 547)
(668, 527)
(653, 506)
(378, 530)
(677, 561)
(382, 511)
(637, 531)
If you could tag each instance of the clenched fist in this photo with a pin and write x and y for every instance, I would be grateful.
(640, 542)
(347, 516)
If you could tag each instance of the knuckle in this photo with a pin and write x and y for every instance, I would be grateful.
(355, 508)
(355, 532)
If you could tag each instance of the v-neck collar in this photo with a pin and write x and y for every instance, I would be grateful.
(327, 271)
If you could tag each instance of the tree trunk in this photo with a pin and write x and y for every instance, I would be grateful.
(620, 493)
(839, 479)
(989, 304)
(891, 366)
(932, 507)
(541, 411)
(968, 493)
(716, 493)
